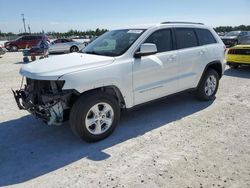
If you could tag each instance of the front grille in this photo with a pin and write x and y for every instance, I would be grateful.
(239, 51)
(227, 41)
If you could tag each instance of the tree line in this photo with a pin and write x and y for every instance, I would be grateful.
(230, 28)
(98, 31)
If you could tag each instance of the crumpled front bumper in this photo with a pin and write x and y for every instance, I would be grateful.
(52, 109)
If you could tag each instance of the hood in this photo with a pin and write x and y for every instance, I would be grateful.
(55, 66)
(229, 37)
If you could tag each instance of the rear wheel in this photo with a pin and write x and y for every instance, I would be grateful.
(94, 116)
(25, 59)
(14, 48)
(33, 58)
(74, 49)
(208, 86)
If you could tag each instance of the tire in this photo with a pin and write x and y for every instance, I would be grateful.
(234, 66)
(14, 48)
(33, 58)
(84, 122)
(25, 59)
(74, 49)
(208, 86)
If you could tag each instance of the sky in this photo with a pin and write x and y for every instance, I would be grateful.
(63, 15)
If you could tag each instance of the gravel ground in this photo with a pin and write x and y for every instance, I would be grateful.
(176, 142)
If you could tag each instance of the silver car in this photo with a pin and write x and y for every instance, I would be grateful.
(65, 46)
(2, 50)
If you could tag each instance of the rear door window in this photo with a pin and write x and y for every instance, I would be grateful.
(186, 38)
(205, 37)
(162, 39)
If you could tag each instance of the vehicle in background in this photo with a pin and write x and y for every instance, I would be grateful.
(221, 34)
(24, 42)
(65, 46)
(2, 50)
(41, 50)
(235, 37)
(120, 70)
(239, 55)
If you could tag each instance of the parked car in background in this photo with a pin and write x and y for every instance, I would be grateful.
(24, 42)
(2, 50)
(120, 70)
(239, 55)
(65, 46)
(235, 37)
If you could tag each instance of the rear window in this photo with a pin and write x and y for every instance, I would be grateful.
(205, 37)
(186, 38)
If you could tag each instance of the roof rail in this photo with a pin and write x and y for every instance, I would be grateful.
(181, 23)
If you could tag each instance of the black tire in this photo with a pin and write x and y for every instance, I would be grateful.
(74, 49)
(200, 92)
(234, 66)
(13, 48)
(80, 110)
(33, 58)
(26, 59)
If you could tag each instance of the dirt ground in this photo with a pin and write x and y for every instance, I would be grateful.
(176, 142)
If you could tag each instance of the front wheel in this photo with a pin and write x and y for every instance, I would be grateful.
(94, 116)
(74, 49)
(208, 86)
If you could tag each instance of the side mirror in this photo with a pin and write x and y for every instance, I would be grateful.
(146, 49)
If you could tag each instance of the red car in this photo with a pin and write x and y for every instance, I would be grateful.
(24, 42)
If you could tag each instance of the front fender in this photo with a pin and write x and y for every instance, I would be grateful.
(87, 80)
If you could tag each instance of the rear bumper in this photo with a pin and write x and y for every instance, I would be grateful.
(240, 59)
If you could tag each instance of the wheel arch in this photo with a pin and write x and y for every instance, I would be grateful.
(74, 46)
(216, 65)
(110, 89)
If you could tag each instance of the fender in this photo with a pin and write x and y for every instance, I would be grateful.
(216, 65)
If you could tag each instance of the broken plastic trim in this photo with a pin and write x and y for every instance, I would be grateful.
(44, 99)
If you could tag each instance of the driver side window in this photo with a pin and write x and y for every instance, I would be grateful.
(162, 39)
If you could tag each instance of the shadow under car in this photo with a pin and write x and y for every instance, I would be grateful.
(29, 149)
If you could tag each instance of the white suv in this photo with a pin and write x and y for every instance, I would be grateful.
(119, 70)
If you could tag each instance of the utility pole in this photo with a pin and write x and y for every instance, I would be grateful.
(29, 28)
(24, 26)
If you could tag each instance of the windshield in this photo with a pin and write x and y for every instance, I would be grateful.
(113, 43)
(233, 33)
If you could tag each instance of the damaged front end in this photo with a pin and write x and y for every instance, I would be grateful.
(45, 99)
